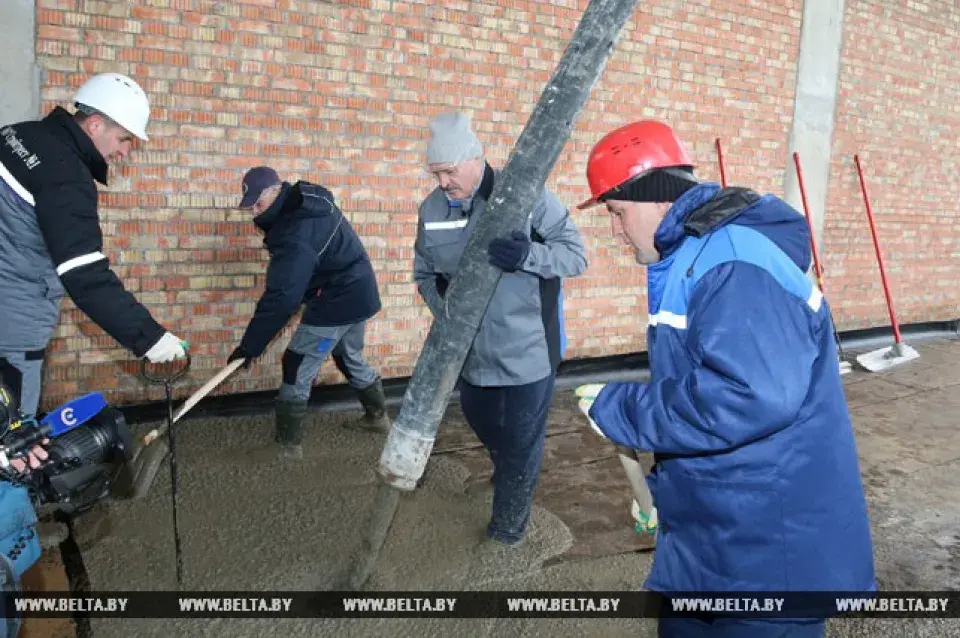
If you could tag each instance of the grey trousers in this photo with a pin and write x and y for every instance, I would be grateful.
(308, 350)
(28, 368)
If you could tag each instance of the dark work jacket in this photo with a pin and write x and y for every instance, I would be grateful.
(317, 259)
(51, 242)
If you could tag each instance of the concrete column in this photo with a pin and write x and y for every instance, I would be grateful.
(20, 91)
(818, 74)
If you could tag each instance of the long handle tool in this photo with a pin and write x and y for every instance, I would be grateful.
(723, 170)
(167, 381)
(844, 365)
(900, 352)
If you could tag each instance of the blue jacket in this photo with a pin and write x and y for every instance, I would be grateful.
(19, 543)
(756, 481)
(317, 259)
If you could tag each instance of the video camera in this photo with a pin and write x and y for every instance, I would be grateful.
(88, 444)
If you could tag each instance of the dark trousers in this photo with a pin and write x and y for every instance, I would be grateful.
(511, 422)
(739, 628)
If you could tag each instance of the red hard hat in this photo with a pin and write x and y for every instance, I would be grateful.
(630, 151)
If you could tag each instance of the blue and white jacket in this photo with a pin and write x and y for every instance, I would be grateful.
(756, 481)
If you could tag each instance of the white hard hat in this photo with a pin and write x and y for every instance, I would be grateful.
(119, 98)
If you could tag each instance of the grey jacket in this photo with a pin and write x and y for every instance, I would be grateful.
(518, 338)
(51, 242)
(30, 284)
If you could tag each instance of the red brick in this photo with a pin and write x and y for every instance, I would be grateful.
(341, 93)
(898, 112)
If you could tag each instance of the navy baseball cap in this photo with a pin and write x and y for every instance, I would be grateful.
(255, 182)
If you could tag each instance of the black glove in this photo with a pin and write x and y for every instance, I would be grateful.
(240, 353)
(509, 253)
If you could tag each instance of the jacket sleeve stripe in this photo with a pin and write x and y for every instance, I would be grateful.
(17, 187)
(76, 262)
(446, 225)
(815, 299)
(667, 318)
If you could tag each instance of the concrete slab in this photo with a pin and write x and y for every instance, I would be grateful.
(879, 390)
(262, 526)
(909, 434)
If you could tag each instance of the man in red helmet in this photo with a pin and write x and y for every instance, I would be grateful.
(756, 480)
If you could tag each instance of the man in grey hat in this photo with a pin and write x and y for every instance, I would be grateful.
(508, 377)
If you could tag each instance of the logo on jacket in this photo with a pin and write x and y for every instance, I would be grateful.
(16, 146)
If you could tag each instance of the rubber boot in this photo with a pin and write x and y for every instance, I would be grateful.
(290, 415)
(374, 402)
(288, 435)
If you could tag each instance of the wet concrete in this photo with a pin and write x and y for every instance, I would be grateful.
(261, 526)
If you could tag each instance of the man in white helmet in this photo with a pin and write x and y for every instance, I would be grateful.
(50, 237)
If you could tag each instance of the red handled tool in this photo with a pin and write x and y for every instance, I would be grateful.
(900, 352)
(844, 366)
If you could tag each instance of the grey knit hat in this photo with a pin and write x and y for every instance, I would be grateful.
(452, 140)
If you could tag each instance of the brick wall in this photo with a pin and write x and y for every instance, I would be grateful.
(341, 93)
(899, 109)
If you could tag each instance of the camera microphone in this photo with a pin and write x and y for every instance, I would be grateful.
(23, 435)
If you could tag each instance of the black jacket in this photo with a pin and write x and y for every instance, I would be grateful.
(50, 202)
(316, 258)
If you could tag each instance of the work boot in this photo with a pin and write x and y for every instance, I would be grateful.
(290, 415)
(289, 434)
(374, 403)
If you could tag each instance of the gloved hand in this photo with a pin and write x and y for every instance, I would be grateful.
(587, 395)
(169, 347)
(509, 253)
(240, 353)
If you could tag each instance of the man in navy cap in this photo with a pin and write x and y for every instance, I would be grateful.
(317, 259)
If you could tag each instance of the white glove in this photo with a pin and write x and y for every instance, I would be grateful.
(587, 394)
(167, 349)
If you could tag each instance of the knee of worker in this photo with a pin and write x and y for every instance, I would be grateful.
(505, 420)
(297, 377)
(516, 464)
(523, 432)
(341, 365)
(358, 373)
(348, 356)
(531, 403)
